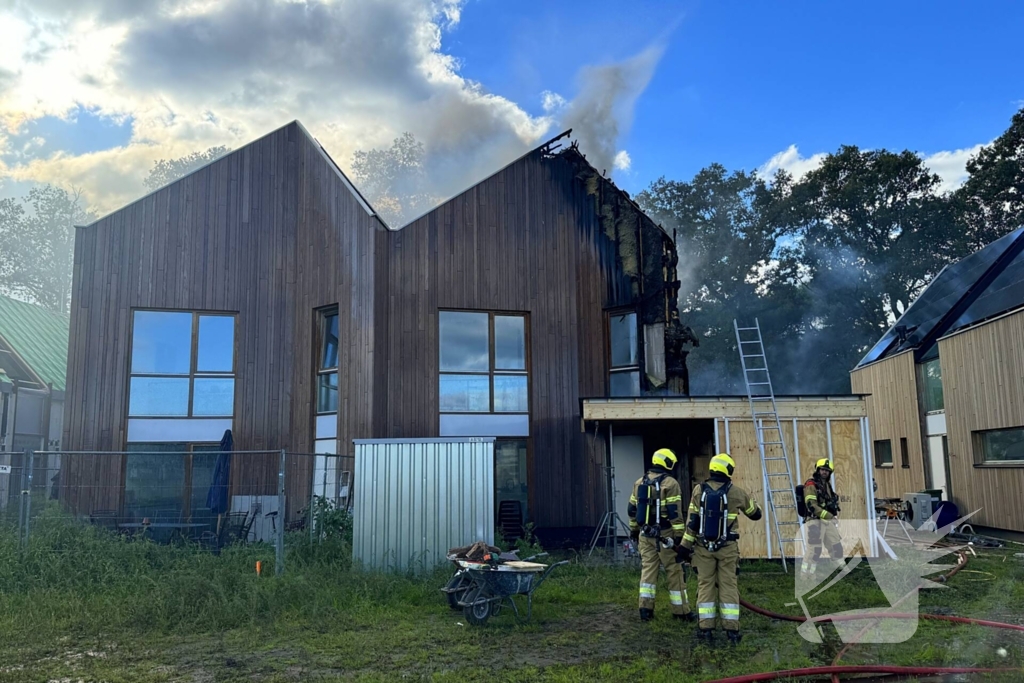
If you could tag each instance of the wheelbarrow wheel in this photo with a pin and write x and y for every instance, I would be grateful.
(454, 598)
(478, 613)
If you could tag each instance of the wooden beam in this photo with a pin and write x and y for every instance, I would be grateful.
(695, 408)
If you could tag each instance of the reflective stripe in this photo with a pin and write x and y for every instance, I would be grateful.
(632, 499)
(824, 514)
(811, 497)
(648, 590)
(674, 499)
(706, 609)
(730, 611)
(679, 527)
(753, 506)
(688, 537)
(733, 515)
(675, 597)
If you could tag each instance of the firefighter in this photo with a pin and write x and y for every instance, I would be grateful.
(710, 544)
(656, 525)
(822, 505)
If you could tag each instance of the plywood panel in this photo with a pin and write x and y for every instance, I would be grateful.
(983, 388)
(849, 482)
(893, 413)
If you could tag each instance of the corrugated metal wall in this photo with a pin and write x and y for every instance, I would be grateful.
(419, 497)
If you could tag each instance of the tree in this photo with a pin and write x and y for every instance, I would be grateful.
(166, 171)
(727, 245)
(992, 199)
(394, 180)
(37, 246)
(869, 230)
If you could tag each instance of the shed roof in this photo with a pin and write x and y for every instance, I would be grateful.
(709, 407)
(39, 338)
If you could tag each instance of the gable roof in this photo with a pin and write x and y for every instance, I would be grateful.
(38, 337)
(360, 199)
(983, 285)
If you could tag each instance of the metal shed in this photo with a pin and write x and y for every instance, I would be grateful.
(420, 497)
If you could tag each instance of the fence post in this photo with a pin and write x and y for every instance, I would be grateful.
(279, 552)
(22, 499)
(30, 457)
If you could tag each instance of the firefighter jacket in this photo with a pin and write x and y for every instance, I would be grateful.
(821, 500)
(739, 501)
(671, 506)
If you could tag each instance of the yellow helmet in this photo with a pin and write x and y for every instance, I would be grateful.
(664, 457)
(823, 463)
(723, 464)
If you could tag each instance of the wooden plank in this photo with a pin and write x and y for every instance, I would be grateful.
(893, 413)
(983, 389)
(695, 408)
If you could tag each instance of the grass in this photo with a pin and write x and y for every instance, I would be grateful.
(79, 604)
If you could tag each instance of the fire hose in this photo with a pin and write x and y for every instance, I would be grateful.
(835, 669)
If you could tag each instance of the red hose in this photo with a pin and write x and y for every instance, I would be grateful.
(865, 669)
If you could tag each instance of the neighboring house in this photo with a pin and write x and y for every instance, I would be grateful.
(946, 385)
(33, 360)
(262, 293)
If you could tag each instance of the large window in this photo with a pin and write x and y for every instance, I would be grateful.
(904, 453)
(931, 385)
(327, 373)
(624, 377)
(169, 482)
(182, 365)
(883, 453)
(999, 446)
(483, 363)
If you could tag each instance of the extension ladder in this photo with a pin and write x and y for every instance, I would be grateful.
(778, 479)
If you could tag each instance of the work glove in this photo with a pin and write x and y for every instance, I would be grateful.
(683, 554)
(634, 535)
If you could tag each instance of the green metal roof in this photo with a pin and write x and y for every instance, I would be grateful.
(38, 336)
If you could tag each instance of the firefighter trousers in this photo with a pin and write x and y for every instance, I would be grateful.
(822, 536)
(652, 558)
(718, 585)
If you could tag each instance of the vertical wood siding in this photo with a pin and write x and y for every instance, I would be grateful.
(893, 413)
(983, 388)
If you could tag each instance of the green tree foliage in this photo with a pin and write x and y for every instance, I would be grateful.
(727, 246)
(394, 180)
(992, 199)
(37, 245)
(166, 171)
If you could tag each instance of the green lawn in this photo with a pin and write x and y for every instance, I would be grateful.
(77, 605)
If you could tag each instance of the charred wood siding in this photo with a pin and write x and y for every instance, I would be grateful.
(269, 232)
(530, 238)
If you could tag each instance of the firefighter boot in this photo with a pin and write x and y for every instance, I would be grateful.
(705, 636)
(646, 614)
(691, 616)
(734, 637)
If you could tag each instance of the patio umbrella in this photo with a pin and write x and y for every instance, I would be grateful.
(217, 497)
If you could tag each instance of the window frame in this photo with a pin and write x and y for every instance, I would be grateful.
(978, 446)
(904, 453)
(878, 461)
(187, 455)
(193, 372)
(492, 371)
(322, 315)
(624, 369)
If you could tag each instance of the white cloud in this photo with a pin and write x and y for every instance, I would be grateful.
(951, 167)
(622, 161)
(791, 161)
(196, 73)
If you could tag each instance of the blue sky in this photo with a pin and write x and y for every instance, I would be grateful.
(92, 92)
(740, 82)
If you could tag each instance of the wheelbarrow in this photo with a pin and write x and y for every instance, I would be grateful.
(481, 589)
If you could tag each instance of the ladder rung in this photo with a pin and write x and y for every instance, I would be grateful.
(792, 540)
(780, 490)
(750, 341)
(787, 523)
(784, 506)
(754, 355)
(772, 443)
(776, 459)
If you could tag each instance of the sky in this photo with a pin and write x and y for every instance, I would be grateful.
(92, 92)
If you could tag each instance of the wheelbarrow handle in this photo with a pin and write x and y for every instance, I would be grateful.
(534, 557)
(546, 572)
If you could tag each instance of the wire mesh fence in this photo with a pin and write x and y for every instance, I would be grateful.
(200, 498)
